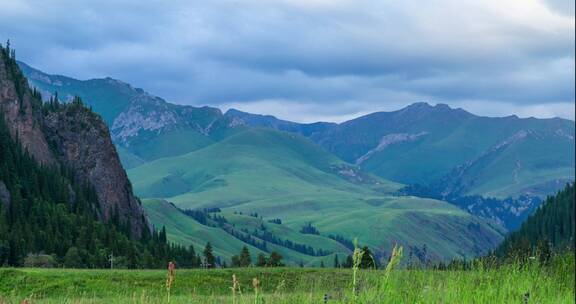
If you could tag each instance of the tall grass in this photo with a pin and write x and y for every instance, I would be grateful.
(510, 283)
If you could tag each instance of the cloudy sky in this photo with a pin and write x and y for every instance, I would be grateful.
(309, 60)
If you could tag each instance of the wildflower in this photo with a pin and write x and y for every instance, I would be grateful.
(235, 288)
(170, 278)
(256, 285)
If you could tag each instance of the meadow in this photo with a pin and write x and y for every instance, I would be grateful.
(511, 283)
(285, 176)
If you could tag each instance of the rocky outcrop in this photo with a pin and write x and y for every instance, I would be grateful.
(82, 142)
(138, 118)
(388, 140)
(19, 114)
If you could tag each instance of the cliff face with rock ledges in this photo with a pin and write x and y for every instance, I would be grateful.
(17, 107)
(71, 136)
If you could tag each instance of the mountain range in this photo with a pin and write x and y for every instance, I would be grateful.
(346, 180)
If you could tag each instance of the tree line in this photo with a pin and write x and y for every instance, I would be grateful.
(550, 229)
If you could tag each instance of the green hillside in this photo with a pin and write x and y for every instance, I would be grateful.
(185, 230)
(283, 175)
(250, 165)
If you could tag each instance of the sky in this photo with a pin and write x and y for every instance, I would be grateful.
(312, 60)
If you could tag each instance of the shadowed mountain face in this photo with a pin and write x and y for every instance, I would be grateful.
(345, 178)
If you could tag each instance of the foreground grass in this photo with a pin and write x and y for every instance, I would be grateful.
(509, 284)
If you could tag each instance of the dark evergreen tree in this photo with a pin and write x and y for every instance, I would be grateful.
(309, 229)
(275, 259)
(349, 262)
(244, 258)
(367, 260)
(261, 260)
(72, 258)
(209, 259)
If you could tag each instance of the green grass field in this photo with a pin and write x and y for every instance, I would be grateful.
(509, 284)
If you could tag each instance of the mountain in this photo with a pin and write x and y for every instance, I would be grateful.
(64, 195)
(551, 227)
(144, 127)
(280, 175)
(452, 149)
(496, 168)
(271, 122)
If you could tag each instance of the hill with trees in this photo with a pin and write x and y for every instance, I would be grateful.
(550, 228)
(64, 198)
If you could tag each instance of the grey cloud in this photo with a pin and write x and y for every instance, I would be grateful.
(355, 56)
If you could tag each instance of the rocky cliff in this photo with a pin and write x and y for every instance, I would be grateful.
(81, 140)
(17, 106)
(71, 136)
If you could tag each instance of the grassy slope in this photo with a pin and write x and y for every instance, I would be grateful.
(554, 284)
(184, 230)
(543, 158)
(281, 175)
(524, 166)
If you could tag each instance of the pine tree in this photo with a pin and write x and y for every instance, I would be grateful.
(209, 259)
(244, 258)
(72, 258)
(349, 262)
(367, 260)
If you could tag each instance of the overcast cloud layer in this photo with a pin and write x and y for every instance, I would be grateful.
(309, 60)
